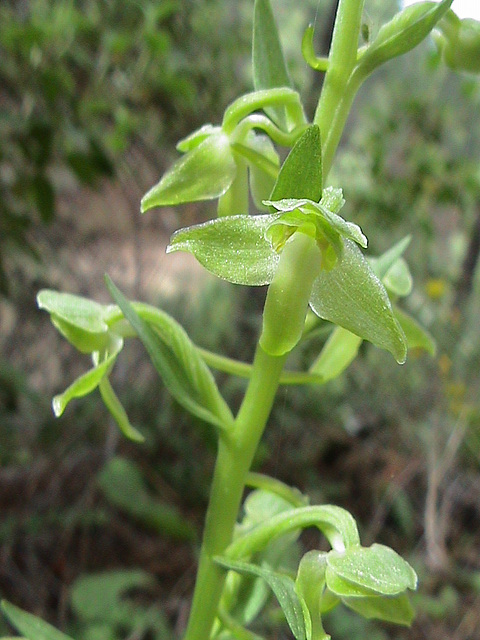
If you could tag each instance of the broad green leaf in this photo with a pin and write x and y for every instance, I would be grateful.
(123, 485)
(417, 336)
(282, 586)
(402, 33)
(117, 411)
(301, 174)
(352, 296)
(269, 68)
(179, 364)
(80, 312)
(30, 626)
(369, 571)
(100, 596)
(204, 173)
(337, 354)
(87, 382)
(396, 609)
(233, 248)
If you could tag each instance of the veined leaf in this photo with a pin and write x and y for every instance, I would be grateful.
(352, 296)
(269, 68)
(233, 248)
(204, 173)
(30, 626)
(282, 586)
(178, 362)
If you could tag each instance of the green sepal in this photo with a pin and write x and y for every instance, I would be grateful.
(392, 269)
(196, 137)
(310, 586)
(395, 609)
(117, 411)
(365, 571)
(80, 320)
(263, 166)
(233, 248)
(269, 68)
(402, 33)
(178, 362)
(301, 174)
(282, 586)
(417, 337)
(31, 627)
(351, 296)
(204, 173)
(90, 380)
(339, 351)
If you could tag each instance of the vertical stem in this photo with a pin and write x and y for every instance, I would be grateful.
(337, 94)
(235, 455)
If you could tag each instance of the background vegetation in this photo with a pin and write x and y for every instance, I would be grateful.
(93, 96)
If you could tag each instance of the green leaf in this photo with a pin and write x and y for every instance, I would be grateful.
(310, 586)
(282, 586)
(89, 381)
(30, 626)
(352, 296)
(99, 596)
(194, 139)
(375, 570)
(396, 609)
(301, 173)
(417, 336)
(269, 68)
(204, 173)
(176, 359)
(123, 485)
(402, 33)
(337, 354)
(233, 248)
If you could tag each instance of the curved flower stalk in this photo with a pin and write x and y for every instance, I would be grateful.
(218, 158)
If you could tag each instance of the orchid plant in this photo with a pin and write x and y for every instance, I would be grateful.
(311, 258)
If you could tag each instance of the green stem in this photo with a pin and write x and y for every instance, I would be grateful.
(337, 93)
(235, 455)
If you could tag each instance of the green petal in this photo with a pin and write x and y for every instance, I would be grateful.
(397, 609)
(337, 354)
(204, 173)
(86, 383)
(352, 296)
(233, 248)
